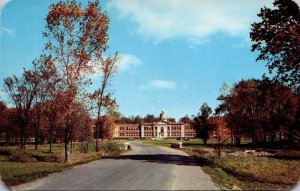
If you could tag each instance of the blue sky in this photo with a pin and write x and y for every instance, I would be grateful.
(176, 54)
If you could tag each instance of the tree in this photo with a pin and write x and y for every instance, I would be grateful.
(171, 120)
(241, 109)
(201, 123)
(260, 109)
(108, 122)
(220, 132)
(77, 38)
(149, 118)
(279, 109)
(22, 92)
(185, 119)
(49, 91)
(125, 120)
(107, 68)
(277, 38)
(85, 131)
(4, 120)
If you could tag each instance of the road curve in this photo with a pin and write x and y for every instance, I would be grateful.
(146, 167)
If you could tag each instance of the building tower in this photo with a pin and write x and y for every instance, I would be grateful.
(163, 116)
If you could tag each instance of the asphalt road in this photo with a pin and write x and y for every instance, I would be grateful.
(144, 168)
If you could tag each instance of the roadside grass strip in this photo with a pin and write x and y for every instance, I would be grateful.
(17, 167)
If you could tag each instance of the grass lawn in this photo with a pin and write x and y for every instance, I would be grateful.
(280, 171)
(18, 167)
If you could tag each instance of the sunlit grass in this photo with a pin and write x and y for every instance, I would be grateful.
(244, 172)
(249, 172)
(22, 166)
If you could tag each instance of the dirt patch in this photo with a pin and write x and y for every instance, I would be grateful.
(51, 158)
(22, 158)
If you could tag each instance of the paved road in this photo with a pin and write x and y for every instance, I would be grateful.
(145, 168)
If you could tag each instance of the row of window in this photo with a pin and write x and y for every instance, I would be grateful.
(148, 134)
(176, 128)
(190, 134)
(176, 134)
(148, 128)
(188, 127)
(129, 134)
(172, 128)
(129, 128)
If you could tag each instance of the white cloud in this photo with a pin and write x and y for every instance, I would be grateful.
(3, 3)
(159, 84)
(194, 20)
(8, 31)
(127, 62)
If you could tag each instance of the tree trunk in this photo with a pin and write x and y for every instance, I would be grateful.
(22, 138)
(71, 144)
(67, 152)
(67, 149)
(231, 136)
(51, 138)
(97, 135)
(219, 150)
(237, 140)
(205, 141)
(36, 140)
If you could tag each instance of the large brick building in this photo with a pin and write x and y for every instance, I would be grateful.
(159, 130)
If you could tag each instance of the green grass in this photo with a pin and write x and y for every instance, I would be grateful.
(193, 143)
(18, 166)
(252, 173)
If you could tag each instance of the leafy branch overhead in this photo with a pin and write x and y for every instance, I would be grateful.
(277, 39)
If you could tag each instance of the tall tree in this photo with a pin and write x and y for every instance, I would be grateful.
(220, 132)
(259, 108)
(108, 67)
(48, 93)
(201, 123)
(22, 92)
(277, 38)
(77, 38)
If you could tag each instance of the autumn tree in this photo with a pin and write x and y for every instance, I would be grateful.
(279, 105)
(77, 37)
(277, 39)
(4, 120)
(201, 123)
(259, 109)
(220, 132)
(22, 92)
(101, 97)
(108, 122)
(85, 131)
(48, 94)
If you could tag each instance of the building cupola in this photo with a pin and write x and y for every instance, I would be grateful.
(163, 116)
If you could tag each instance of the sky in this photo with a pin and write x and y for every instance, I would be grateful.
(176, 54)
